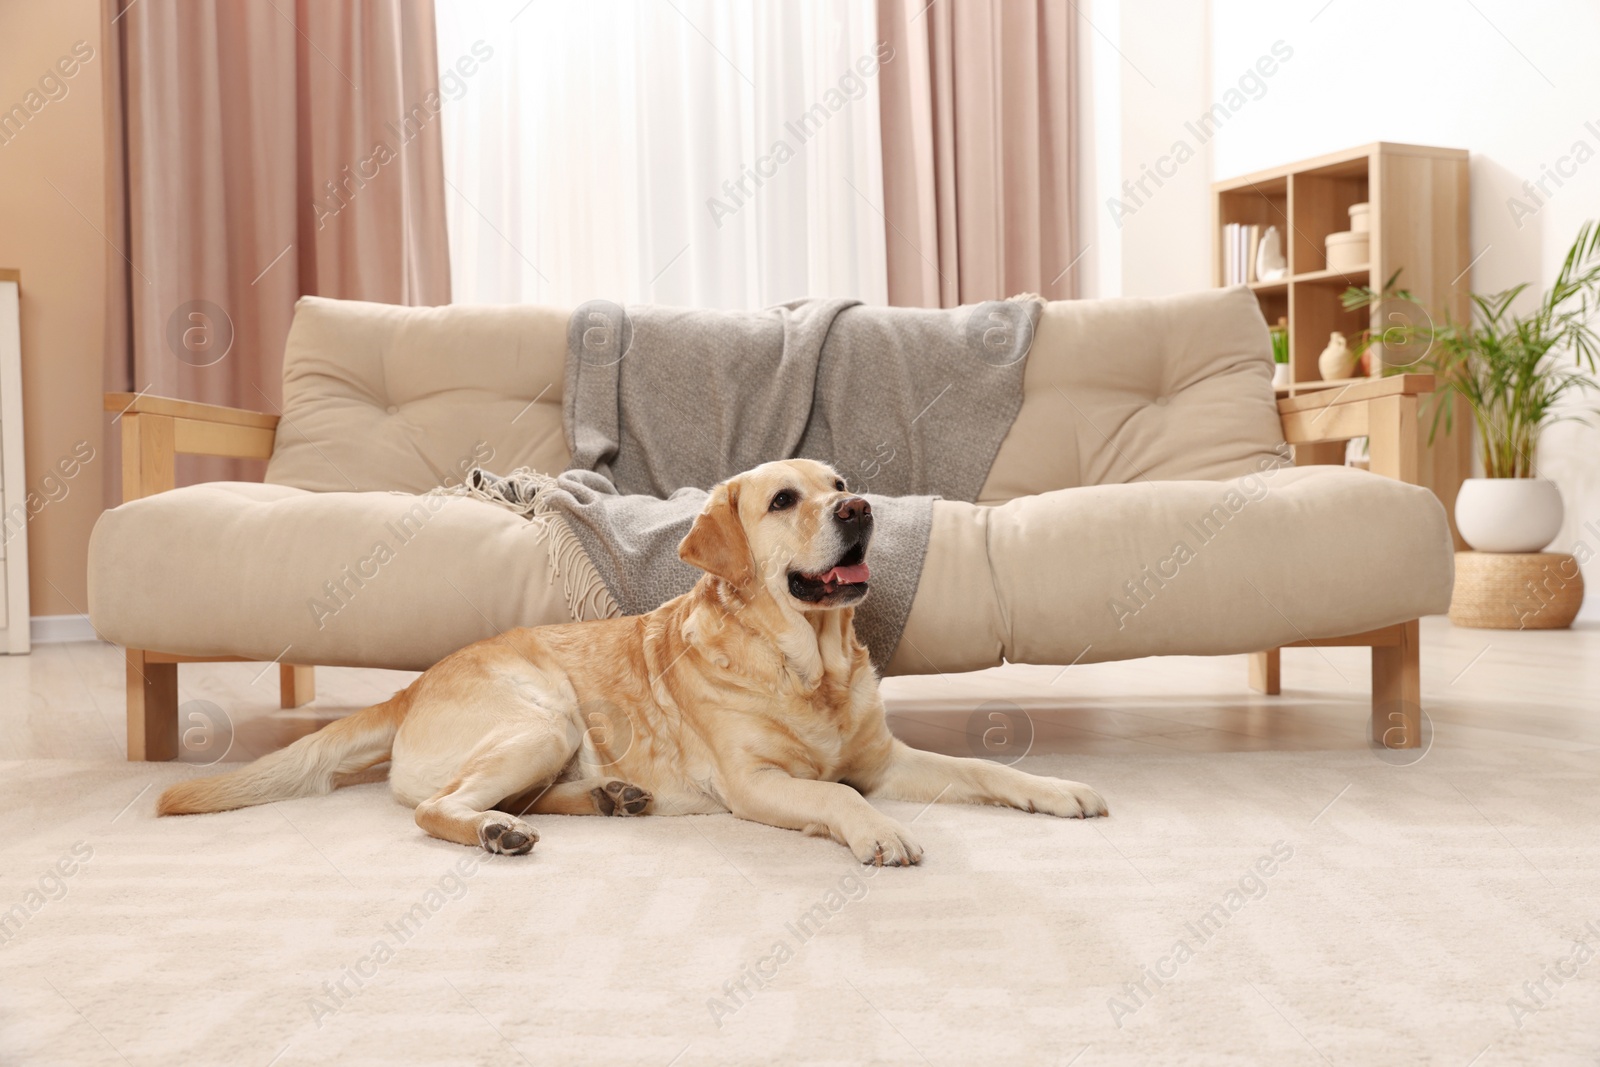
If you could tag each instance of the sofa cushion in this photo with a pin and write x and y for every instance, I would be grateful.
(385, 397)
(1175, 568)
(358, 579)
(1141, 389)
(380, 397)
(1101, 573)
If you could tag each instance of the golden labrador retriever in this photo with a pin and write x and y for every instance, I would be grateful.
(749, 694)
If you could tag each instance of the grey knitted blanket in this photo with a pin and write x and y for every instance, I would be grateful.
(662, 403)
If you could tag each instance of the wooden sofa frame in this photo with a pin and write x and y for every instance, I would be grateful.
(155, 430)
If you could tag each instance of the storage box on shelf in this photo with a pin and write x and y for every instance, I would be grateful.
(1417, 223)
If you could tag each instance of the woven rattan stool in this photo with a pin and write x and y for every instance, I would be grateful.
(1516, 590)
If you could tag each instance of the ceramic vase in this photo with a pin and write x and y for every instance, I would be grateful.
(1270, 263)
(1335, 361)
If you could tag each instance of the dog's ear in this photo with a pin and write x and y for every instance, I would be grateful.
(716, 542)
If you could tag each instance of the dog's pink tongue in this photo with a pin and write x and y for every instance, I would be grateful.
(856, 572)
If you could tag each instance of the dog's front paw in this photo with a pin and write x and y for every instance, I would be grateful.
(617, 797)
(885, 844)
(1057, 796)
(505, 835)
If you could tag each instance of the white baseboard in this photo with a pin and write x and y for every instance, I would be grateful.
(58, 629)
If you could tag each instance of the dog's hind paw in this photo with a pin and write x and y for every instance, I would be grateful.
(506, 835)
(617, 797)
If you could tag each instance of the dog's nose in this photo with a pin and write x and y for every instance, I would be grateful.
(853, 509)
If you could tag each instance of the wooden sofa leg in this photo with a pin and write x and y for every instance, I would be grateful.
(1264, 672)
(152, 708)
(297, 686)
(1397, 690)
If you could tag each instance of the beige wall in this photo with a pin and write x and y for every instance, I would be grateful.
(50, 234)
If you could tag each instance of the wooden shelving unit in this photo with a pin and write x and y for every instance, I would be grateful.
(1419, 199)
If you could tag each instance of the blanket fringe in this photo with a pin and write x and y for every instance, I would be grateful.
(581, 584)
(522, 492)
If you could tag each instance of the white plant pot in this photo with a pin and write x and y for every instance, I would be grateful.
(1280, 374)
(1508, 514)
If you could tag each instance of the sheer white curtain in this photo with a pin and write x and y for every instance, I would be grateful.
(709, 153)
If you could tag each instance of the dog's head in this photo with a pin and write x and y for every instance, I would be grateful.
(791, 527)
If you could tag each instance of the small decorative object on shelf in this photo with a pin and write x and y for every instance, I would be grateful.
(1280, 353)
(1361, 217)
(1336, 361)
(1358, 453)
(1271, 266)
(1516, 591)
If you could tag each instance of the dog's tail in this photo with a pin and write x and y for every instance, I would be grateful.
(306, 768)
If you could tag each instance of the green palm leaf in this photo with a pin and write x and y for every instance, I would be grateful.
(1508, 367)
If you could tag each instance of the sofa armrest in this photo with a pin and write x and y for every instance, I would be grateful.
(1383, 410)
(155, 429)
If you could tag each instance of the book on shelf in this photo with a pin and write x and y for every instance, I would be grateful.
(1240, 243)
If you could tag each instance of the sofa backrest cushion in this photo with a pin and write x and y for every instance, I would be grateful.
(380, 397)
(1142, 389)
(377, 396)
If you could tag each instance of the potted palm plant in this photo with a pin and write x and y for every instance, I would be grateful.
(1516, 370)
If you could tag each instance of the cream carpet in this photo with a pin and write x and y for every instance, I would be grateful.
(1276, 908)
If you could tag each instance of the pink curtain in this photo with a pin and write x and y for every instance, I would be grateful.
(258, 150)
(978, 161)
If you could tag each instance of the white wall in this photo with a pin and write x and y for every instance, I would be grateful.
(1161, 193)
(1144, 74)
(1514, 83)
(1099, 85)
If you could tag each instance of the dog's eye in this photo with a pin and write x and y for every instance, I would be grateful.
(838, 483)
(782, 502)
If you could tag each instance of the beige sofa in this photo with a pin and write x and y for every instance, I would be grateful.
(1142, 504)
